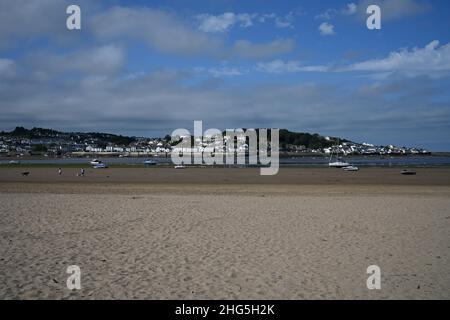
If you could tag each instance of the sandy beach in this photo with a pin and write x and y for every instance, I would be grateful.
(224, 233)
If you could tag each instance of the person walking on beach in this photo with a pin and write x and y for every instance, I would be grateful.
(82, 172)
(60, 171)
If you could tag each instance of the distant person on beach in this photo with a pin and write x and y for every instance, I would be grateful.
(60, 171)
(82, 172)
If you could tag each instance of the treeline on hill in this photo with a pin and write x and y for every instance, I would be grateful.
(310, 141)
(112, 138)
(21, 132)
(40, 133)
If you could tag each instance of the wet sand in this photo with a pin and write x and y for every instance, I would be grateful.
(224, 233)
(221, 176)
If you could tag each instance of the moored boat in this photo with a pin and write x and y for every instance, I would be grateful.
(95, 162)
(149, 162)
(351, 168)
(339, 163)
(100, 166)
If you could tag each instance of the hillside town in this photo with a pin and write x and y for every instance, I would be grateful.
(51, 143)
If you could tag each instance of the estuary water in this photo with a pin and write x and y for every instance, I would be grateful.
(302, 161)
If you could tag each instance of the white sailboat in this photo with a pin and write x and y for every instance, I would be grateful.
(339, 163)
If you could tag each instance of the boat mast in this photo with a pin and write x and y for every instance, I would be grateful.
(332, 152)
(337, 151)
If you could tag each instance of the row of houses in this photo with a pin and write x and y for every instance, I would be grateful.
(72, 144)
(135, 149)
(350, 148)
(58, 146)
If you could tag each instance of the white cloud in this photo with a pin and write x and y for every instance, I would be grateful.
(22, 21)
(350, 9)
(165, 32)
(279, 66)
(326, 29)
(105, 59)
(160, 30)
(430, 59)
(327, 15)
(97, 61)
(222, 23)
(225, 72)
(210, 23)
(221, 72)
(246, 19)
(286, 21)
(267, 16)
(315, 68)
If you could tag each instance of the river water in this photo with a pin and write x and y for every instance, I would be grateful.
(306, 161)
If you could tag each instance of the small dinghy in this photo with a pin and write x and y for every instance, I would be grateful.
(339, 164)
(100, 166)
(149, 162)
(95, 162)
(407, 172)
(351, 168)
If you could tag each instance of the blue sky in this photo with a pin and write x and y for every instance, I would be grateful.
(149, 67)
